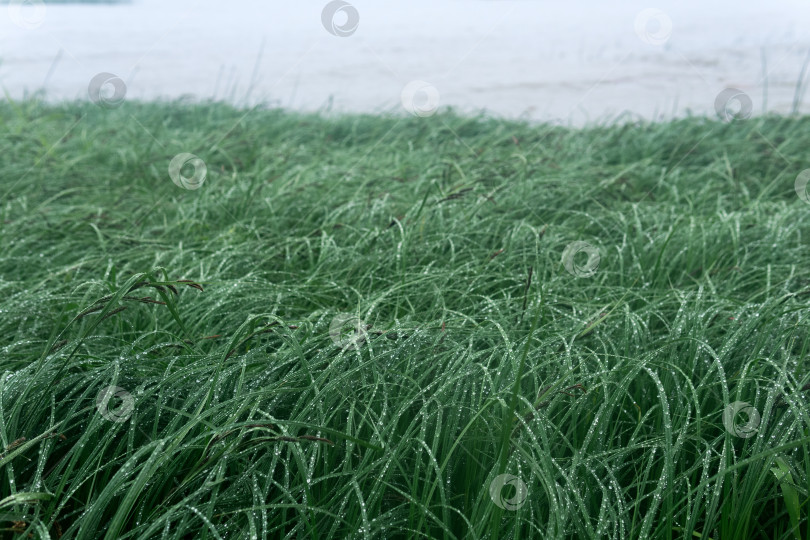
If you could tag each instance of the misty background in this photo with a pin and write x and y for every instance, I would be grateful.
(572, 62)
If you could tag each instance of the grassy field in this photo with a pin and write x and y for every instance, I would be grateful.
(355, 326)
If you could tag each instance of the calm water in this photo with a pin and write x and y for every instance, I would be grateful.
(540, 59)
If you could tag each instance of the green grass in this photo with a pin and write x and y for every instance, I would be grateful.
(604, 393)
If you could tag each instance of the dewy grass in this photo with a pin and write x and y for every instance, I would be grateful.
(665, 382)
